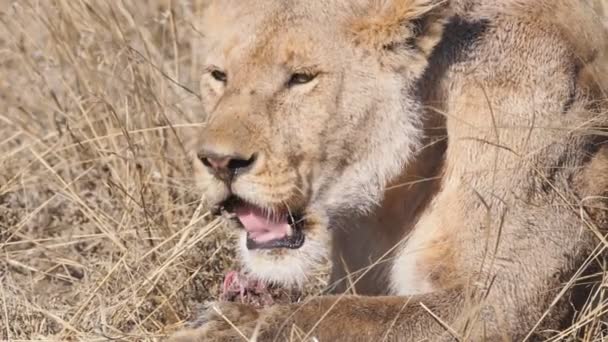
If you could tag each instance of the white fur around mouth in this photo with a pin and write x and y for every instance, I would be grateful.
(283, 266)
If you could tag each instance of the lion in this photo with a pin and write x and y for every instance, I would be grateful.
(449, 157)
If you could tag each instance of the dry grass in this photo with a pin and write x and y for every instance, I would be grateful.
(101, 233)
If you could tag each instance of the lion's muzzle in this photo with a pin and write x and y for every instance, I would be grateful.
(226, 166)
(267, 228)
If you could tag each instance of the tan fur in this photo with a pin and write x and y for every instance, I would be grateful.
(450, 154)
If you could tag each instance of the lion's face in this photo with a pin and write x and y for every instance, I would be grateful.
(306, 122)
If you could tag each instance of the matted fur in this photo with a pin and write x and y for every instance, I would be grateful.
(448, 148)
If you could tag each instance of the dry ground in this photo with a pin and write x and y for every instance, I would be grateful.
(101, 232)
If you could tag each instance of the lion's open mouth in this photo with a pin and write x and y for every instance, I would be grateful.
(266, 230)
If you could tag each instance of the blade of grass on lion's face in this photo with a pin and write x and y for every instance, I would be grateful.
(102, 235)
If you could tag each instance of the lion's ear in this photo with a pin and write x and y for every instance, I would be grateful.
(410, 27)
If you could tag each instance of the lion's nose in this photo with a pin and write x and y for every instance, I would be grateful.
(226, 166)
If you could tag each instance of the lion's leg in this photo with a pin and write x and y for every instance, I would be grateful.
(332, 318)
(473, 313)
(363, 318)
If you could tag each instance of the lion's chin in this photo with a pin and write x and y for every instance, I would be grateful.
(286, 266)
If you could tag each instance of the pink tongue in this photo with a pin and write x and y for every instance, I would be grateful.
(261, 226)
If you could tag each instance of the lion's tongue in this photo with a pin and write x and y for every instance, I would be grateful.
(261, 226)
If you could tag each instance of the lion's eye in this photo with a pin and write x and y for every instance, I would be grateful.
(219, 76)
(300, 78)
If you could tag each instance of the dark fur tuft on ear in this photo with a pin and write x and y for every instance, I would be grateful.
(408, 27)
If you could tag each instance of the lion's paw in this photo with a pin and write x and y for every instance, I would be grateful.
(222, 322)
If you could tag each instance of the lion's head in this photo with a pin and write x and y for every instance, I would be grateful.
(310, 112)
